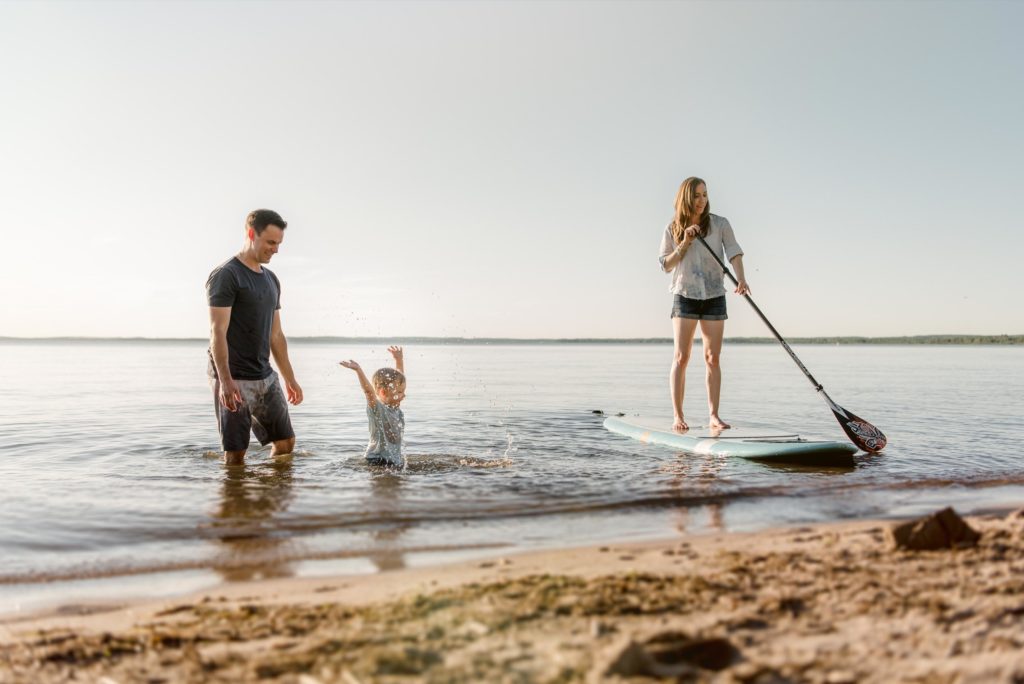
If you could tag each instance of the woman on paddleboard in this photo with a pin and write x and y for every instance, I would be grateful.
(698, 291)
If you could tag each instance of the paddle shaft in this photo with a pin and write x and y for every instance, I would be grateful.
(785, 345)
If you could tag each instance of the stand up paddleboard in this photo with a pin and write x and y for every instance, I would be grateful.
(762, 445)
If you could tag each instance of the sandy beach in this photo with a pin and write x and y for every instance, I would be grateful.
(829, 603)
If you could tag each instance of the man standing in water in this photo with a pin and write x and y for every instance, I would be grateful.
(245, 330)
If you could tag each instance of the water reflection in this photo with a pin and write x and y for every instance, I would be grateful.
(385, 490)
(694, 476)
(251, 496)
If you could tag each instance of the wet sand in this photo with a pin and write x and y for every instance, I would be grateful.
(829, 603)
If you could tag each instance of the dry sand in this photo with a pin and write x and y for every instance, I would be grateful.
(830, 603)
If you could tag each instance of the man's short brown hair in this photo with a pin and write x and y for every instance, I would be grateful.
(259, 219)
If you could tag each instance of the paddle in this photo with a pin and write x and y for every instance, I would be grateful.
(861, 432)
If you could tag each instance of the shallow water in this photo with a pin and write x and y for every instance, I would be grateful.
(111, 463)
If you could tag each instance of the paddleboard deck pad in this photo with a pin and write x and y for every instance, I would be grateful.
(762, 445)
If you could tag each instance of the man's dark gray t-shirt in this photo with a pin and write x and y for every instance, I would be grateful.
(253, 298)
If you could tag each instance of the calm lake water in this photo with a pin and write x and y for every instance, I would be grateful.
(112, 481)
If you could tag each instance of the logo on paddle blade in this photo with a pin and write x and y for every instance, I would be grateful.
(869, 435)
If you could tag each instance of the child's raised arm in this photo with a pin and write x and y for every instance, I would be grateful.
(371, 395)
(396, 352)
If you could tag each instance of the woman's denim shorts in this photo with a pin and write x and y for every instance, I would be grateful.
(702, 309)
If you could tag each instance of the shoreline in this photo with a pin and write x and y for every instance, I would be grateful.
(105, 590)
(821, 602)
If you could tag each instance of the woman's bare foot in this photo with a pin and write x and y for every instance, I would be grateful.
(718, 424)
(679, 425)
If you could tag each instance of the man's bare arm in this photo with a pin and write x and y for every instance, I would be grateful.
(220, 317)
(279, 350)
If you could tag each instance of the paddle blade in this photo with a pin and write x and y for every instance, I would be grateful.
(862, 433)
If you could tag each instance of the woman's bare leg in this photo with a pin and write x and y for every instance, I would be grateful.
(712, 333)
(683, 330)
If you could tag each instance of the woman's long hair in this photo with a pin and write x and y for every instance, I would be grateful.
(685, 212)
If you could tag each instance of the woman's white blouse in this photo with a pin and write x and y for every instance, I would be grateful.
(697, 276)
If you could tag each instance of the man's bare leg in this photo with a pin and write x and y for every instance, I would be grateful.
(283, 446)
(233, 458)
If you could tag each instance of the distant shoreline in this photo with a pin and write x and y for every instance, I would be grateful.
(907, 340)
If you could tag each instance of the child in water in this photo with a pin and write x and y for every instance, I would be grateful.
(384, 396)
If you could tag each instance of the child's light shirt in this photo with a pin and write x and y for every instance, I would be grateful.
(697, 275)
(387, 425)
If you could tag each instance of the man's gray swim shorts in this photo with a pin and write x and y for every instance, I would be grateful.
(264, 410)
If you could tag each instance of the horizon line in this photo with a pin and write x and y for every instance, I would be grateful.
(838, 339)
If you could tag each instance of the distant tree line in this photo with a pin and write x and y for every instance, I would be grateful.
(915, 339)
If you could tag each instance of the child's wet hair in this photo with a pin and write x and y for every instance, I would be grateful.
(388, 377)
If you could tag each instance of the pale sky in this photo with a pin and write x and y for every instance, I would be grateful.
(487, 169)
